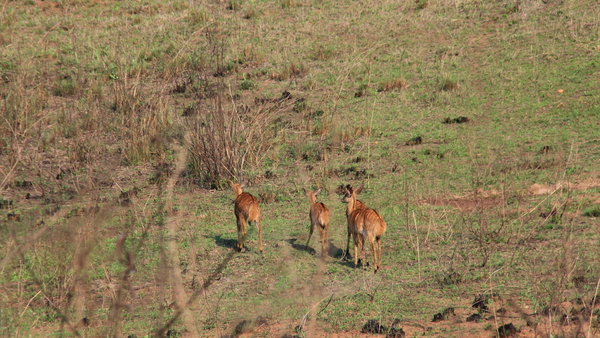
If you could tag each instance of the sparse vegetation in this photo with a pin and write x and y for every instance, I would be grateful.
(390, 85)
(593, 211)
(473, 126)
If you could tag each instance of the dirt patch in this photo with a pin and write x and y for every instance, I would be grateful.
(582, 185)
(466, 204)
(48, 6)
(479, 199)
(488, 199)
(465, 320)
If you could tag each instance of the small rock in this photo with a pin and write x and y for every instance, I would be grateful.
(414, 141)
(373, 326)
(476, 317)
(447, 313)
(507, 330)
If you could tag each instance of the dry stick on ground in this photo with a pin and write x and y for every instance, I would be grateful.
(64, 320)
(119, 299)
(418, 245)
(179, 291)
(184, 305)
(589, 333)
(494, 311)
(22, 247)
(81, 289)
(316, 287)
(19, 156)
(303, 321)
(162, 331)
(28, 303)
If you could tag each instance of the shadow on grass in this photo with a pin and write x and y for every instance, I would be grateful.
(231, 243)
(299, 246)
(346, 258)
(333, 251)
(224, 242)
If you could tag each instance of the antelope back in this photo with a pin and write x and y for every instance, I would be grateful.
(364, 221)
(247, 205)
(318, 211)
(359, 205)
(374, 223)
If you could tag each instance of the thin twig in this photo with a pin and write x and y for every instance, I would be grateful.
(162, 331)
(30, 300)
(303, 321)
(589, 333)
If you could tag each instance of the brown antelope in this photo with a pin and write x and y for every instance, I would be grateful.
(246, 210)
(358, 205)
(319, 216)
(365, 224)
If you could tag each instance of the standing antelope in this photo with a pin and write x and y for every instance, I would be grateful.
(365, 224)
(357, 206)
(319, 216)
(246, 209)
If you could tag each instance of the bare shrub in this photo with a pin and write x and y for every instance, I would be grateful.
(146, 139)
(224, 140)
(143, 120)
(21, 116)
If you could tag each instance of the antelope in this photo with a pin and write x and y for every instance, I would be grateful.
(357, 206)
(319, 216)
(365, 224)
(246, 209)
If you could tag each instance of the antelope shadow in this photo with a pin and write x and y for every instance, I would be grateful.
(333, 250)
(224, 242)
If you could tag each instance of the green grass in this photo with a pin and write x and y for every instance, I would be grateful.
(98, 98)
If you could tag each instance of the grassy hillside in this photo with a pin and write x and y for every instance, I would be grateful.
(474, 126)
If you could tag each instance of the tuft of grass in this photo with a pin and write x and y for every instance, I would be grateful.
(247, 84)
(322, 53)
(394, 84)
(593, 211)
(66, 86)
(287, 4)
(235, 5)
(422, 4)
(198, 16)
(449, 85)
(251, 13)
(291, 70)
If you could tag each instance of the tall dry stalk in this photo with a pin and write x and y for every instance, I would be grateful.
(225, 139)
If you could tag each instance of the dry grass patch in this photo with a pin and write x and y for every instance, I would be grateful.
(394, 84)
(292, 70)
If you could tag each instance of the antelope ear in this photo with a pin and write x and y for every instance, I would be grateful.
(318, 191)
(304, 190)
(244, 182)
(359, 189)
(231, 183)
